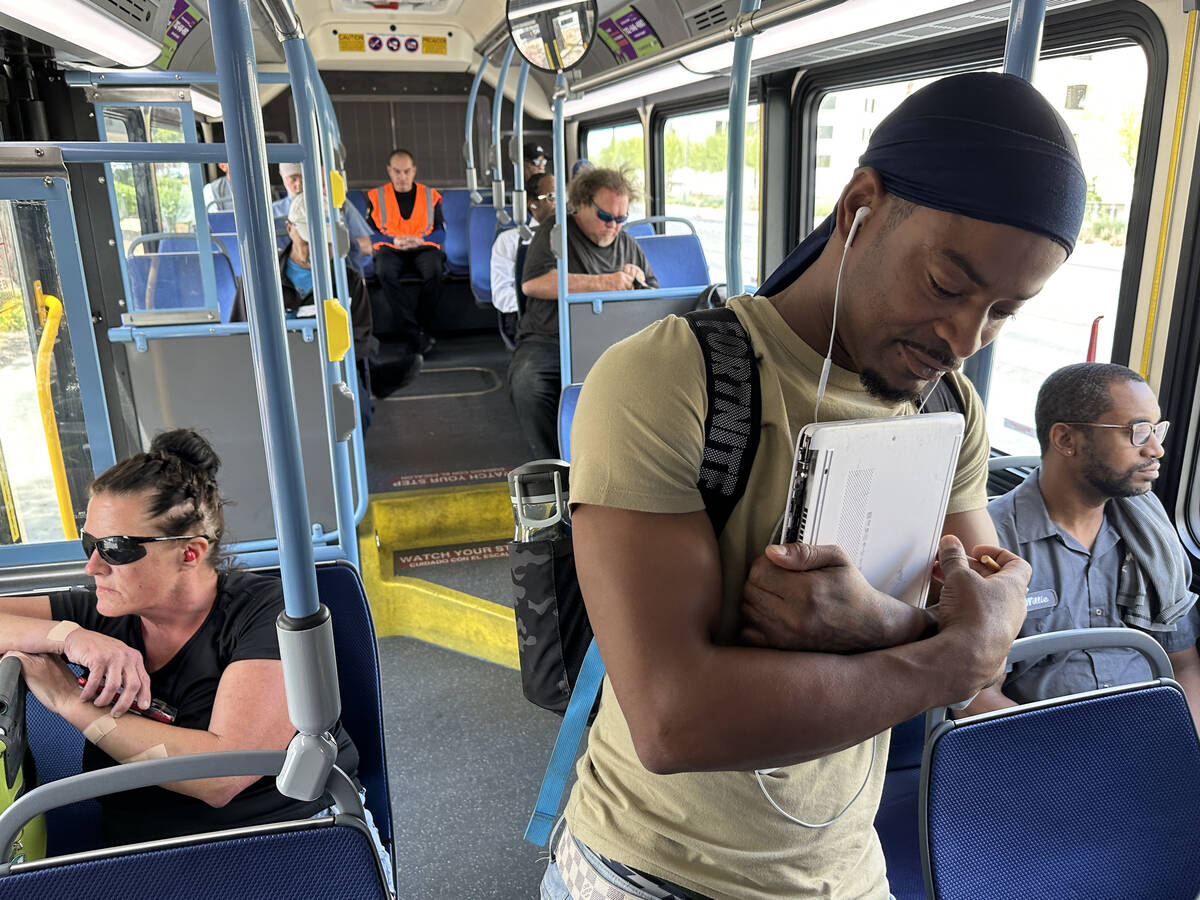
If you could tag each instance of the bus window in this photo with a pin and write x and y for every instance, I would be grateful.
(151, 198)
(695, 152)
(45, 461)
(1100, 96)
(620, 146)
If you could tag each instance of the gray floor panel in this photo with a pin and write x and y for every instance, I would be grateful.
(466, 753)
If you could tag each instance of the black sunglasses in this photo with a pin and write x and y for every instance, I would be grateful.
(122, 549)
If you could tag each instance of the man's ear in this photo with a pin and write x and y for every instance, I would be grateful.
(1064, 440)
(864, 189)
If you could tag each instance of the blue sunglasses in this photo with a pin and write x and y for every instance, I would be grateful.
(607, 217)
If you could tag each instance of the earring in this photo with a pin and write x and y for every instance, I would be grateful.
(189, 555)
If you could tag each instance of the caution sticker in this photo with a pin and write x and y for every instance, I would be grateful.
(352, 42)
(433, 44)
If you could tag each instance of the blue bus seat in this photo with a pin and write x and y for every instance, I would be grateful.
(175, 271)
(221, 223)
(896, 820)
(567, 402)
(1090, 795)
(456, 207)
(483, 230)
(677, 259)
(58, 747)
(309, 860)
(640, 229)
(359, 199)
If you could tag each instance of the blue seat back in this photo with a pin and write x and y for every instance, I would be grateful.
(567, 401)
(896, 821)
(58, 747)
(640, 229)
(312, 862)
(456, 208)
(181, 274)
(221, 223)
(1090, 797)
(677, 259)
(483, 231)
(359, 199)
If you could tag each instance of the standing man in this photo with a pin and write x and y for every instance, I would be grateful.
(218, 193)
(533, 161)
(1103, 551)
(743, 726)
(408, 217)
(292, 175)
(505, 253)
(600, 257)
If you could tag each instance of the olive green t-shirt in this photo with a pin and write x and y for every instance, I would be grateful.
(636, 443)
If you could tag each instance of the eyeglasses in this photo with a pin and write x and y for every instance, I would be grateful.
(1139, 434)
(549, 196)
(607, 217)
(122, 549)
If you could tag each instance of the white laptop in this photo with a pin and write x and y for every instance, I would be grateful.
(878, 488)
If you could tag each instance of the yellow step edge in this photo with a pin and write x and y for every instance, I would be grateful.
(442, 517)
(411, 607)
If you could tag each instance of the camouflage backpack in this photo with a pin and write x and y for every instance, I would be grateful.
(553, 633)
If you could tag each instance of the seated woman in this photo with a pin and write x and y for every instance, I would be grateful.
(165, 621)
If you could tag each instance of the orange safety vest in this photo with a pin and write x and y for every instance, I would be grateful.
(419, 224)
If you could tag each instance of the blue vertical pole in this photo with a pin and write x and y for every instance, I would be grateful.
(468, 143)
(560, 224)
(1021, 49)
(245, 142)
(520, 210)
(497, 150)
(316, 190)
(739, 97)
(1024, 40)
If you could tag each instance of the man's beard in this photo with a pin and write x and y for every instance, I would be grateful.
(1110, 482)
(878, 388)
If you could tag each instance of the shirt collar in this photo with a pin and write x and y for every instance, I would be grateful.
(1033, 523)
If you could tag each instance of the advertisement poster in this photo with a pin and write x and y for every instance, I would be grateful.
(184, 18)
(628, 35)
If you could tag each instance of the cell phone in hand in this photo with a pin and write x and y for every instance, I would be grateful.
(158, 710)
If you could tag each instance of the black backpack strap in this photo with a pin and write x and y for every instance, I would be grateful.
(734, 419)
(944, 398)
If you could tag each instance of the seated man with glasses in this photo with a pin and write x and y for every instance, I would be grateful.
(507, 255)
(600, 257)
(1103, 550)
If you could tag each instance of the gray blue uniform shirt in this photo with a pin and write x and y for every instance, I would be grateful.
(1071, 588)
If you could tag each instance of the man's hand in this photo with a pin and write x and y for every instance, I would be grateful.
(635, 272)
(112, 665)
(49, 678)
(406, 242)
(364, 246)
(618, 281)
(810, 597)
(980, 610)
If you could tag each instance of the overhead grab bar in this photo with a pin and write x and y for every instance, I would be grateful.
(497, 151)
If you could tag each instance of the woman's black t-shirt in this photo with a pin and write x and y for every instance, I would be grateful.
(240, 625)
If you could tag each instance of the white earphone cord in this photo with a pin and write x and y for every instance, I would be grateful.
(779, 809)
(859, 214)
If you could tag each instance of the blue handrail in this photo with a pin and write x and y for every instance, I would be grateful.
(238, 83)
(739, 96)
(520, 210)
(560, 223)
(468, 142)
(497, 150)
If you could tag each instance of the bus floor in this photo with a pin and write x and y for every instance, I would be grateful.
(466, 753)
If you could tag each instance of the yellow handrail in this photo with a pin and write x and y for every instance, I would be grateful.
(14, 527)
(1160, 256)
(54, 309)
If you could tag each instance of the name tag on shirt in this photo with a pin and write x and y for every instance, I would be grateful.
(1036, 600)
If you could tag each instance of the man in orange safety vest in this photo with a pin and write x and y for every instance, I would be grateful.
(408, 219)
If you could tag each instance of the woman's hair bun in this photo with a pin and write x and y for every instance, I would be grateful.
(190, 447)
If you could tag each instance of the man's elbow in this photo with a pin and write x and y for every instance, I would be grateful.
(662, 742)
(219, 793)
(537, 290)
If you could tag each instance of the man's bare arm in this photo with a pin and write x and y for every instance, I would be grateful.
(545, 286)
(652, 586)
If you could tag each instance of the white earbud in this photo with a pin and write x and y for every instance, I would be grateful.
(859, 214)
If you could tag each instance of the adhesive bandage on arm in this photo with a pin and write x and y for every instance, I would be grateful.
(158, 751)
(99, 729)
(61, 629)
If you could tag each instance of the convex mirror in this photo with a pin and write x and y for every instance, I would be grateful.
(552, 35)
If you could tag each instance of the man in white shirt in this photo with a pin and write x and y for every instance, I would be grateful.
(218, 194)
(504, 254)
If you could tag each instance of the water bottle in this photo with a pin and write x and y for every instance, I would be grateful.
(539, 491)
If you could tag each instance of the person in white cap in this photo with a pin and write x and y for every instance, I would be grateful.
(292, 175)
